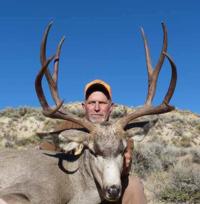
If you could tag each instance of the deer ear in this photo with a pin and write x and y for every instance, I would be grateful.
(138, 130)
(71, 146)
(73, 140)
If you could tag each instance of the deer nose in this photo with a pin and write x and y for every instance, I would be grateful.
(113, 191)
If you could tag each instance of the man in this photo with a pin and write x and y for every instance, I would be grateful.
(98, 106)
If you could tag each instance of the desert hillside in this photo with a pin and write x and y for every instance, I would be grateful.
(167, 159)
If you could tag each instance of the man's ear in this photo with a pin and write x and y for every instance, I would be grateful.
(83, 105)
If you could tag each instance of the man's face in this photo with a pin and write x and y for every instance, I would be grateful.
(97, 107)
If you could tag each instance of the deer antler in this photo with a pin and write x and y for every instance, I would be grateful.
(164, 107)
(57, 112)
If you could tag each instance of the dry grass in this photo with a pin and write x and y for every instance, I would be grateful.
(168, 159)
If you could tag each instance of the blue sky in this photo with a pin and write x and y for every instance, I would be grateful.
(103, 41)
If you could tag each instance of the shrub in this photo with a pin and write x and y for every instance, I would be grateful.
(183, 185)
(31, 141)
(152, 157)
(146, 159)
(195, 155)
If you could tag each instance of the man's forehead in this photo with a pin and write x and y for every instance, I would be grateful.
(97, 96)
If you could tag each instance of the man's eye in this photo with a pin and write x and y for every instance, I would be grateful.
(103, 103)
(91, 103)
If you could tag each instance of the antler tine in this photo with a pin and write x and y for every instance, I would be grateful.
(164, 107)
(173, 81)
(43, 44)
(40, 93)
(52, 81)
(164, 49)
(153, 74)
(57, 58)
(147, 53)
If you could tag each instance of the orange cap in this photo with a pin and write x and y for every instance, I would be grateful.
(98, 82)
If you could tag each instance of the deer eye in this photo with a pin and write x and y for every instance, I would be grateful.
(96, 153)
(93, 153)
(99, 153)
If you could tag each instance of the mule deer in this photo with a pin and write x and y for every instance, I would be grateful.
(32, 176)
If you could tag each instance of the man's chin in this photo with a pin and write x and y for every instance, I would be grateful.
(97, 119)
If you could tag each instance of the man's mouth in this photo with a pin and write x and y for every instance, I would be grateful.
(98, 115)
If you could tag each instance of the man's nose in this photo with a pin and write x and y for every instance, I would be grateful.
(97, 107)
